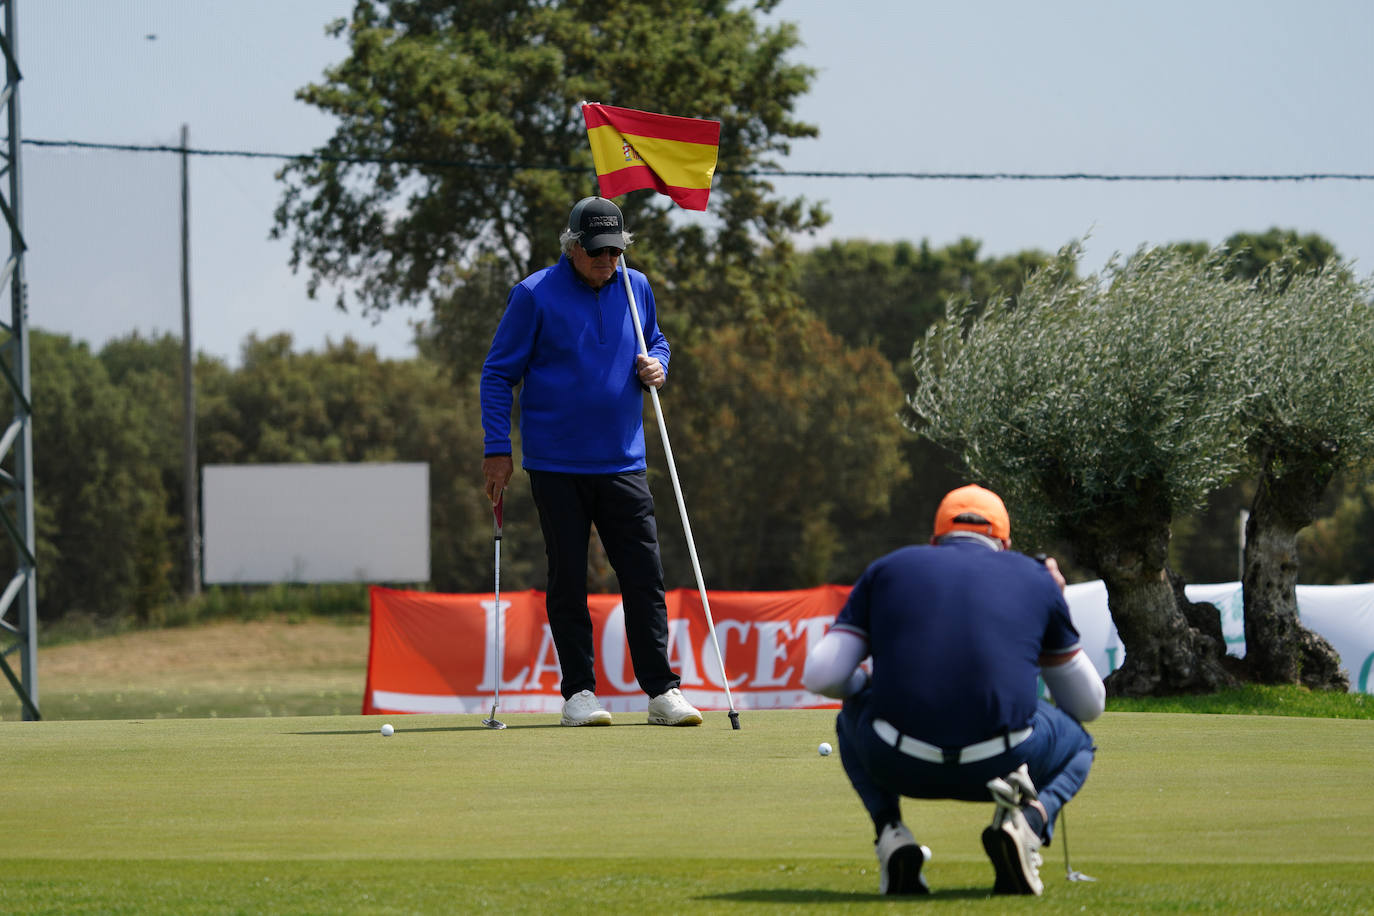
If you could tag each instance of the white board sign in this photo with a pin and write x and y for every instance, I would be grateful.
(315, 523)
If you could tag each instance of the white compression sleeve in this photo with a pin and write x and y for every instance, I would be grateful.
(832, 669)
(1076, 687)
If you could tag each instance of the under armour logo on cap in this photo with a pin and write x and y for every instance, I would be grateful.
(600, 222)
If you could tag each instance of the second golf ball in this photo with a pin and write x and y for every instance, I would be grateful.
(387, 730)
(824, 749)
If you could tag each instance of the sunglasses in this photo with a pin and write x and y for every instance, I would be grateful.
(608, 250)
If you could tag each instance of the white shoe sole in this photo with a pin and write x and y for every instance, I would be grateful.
(601, 718)
(689, 719)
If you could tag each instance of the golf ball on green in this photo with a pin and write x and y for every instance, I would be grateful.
(387, 730)
(824, 749)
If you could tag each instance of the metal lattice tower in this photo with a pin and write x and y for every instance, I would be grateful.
(19, 600)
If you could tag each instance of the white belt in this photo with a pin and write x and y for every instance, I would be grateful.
(932, 753)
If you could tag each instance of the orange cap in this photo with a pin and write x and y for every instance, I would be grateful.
(973, 500)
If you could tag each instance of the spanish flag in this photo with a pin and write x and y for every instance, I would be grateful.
(638, 149)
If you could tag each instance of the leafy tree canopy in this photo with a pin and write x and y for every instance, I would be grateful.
(1091, 395)
(1313, 370)
(101, 522)
(787, 465)
(460, 133)
(886, 294)
(1249, 254)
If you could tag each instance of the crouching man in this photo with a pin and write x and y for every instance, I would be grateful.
(958, 631)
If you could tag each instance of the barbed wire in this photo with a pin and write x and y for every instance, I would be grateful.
(761, 173)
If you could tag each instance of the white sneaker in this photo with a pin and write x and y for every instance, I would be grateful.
(671, 708)
(583, 708)
(1011, 844)
(900, 860)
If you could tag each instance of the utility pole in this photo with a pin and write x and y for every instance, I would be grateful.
(188, 380)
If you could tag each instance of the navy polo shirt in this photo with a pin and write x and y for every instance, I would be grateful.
(956, 632)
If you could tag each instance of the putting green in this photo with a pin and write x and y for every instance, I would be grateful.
(311, 814)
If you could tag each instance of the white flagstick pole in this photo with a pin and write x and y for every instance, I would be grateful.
(677, 489)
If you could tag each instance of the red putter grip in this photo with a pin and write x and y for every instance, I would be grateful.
(497, 509)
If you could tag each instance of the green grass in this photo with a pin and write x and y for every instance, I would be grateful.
(344, 602)
(221, 768)
(1183, 813)
(1258, 700)
(287, 663)
(274, 665)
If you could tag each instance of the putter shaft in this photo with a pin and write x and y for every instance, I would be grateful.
(496, 513)
(1069, 872)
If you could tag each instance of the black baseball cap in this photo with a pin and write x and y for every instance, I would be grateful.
(600, 223)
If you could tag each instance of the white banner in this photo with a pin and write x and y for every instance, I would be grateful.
(1344, 614)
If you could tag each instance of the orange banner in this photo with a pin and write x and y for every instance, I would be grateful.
(435, 653)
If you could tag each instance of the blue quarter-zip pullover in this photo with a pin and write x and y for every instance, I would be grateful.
(582, 405)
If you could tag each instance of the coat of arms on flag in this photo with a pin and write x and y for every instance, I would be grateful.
(639, 149)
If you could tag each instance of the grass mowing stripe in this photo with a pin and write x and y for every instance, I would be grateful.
(650, 885)
(1182, 813)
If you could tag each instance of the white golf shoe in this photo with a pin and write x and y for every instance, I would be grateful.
(899, 861)
(1010, 843)
(583, 708)
(672, 708)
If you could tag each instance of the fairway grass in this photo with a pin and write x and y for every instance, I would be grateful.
(1182, 813)
(277, 666)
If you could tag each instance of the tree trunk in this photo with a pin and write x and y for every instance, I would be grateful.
(1278, 648)
(1164, 655)
(1202, 616)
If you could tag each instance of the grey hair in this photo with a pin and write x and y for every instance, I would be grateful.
(571, 237)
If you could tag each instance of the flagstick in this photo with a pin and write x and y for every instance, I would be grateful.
(677, 489)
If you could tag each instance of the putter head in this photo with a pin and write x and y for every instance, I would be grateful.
(1075, 875)
(491, 721)
(734, 720)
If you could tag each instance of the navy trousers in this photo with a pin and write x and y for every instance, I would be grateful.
(622, 508)
(1058, 755)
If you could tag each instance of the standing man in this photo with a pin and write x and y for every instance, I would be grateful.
(957, 632)
(567, 336)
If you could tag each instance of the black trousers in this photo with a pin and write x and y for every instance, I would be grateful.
(622, 508)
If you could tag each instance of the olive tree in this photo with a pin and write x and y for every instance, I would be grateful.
(1100, 407)
(1312, 414)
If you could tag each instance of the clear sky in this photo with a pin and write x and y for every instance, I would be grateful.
(1169, 87)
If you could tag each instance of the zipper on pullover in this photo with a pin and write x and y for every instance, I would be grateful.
(601, 317)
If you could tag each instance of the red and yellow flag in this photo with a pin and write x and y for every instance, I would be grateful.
(639, 149)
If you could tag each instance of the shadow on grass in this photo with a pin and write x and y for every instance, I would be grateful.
(801, 895)
(432, 729)
(467, 728)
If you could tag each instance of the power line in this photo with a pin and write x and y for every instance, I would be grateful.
(768, 173)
